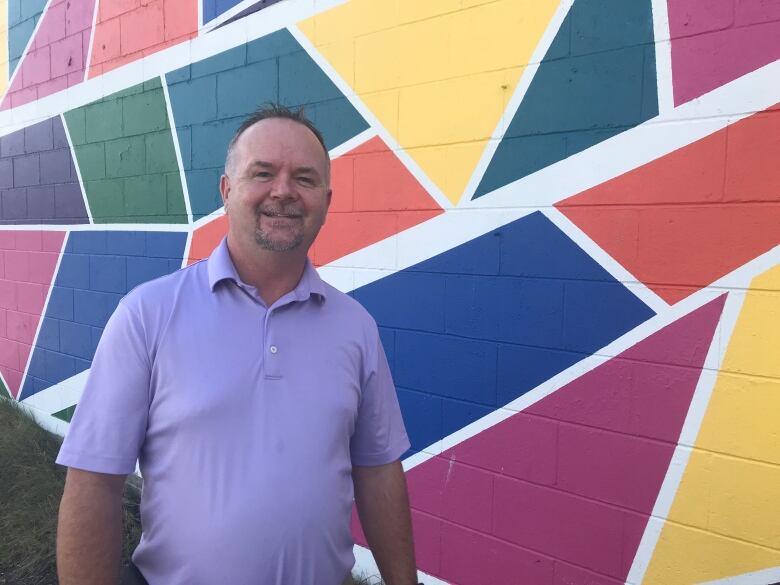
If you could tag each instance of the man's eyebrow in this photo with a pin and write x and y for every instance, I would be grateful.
(269, 165)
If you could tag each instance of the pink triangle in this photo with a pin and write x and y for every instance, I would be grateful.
(29, 260)
(716, 42)
(569, 483)
(57, 57)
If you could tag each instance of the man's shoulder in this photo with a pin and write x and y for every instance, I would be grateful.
(346, 304)
(167, 288)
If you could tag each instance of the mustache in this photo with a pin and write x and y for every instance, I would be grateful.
(279, 211)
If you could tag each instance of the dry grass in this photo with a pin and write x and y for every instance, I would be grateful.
(31, 489)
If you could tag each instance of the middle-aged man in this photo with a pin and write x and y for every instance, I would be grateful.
(253, 395)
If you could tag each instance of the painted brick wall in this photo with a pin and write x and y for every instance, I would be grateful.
(562, 215)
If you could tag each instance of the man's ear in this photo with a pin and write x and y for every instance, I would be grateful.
(224, 189)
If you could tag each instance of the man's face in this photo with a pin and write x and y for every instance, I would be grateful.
(276, 190)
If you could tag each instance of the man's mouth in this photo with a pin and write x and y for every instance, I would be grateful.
(276, 214)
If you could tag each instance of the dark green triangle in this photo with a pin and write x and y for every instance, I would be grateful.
(597, 80)
(65, 414)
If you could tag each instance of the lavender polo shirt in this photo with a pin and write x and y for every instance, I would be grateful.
(245, 420)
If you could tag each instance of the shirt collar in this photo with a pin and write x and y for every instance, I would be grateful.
(221, 267)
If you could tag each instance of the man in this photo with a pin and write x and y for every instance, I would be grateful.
(254, 397)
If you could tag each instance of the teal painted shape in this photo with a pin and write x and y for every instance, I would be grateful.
(597, 80)
(23, 16)
(65, 414)
(210, 99)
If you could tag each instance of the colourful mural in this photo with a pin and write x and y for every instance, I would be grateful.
(562, 215)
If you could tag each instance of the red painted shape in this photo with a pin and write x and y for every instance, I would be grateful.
(127, 30)
(688, 218)
(716, 42)
(570, 482)
(374, 197)
(29, 259)
(57, 56)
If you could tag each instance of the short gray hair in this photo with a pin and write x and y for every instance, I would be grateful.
(274, 110)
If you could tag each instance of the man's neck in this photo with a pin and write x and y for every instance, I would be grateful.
(273, 274)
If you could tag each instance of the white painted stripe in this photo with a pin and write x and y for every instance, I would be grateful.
(77, 167)
(517, 98)
(88, 60)
(663, 57)
(765, 577)
(187, 246)
(177, 149)
(48, 422)
(180, 55)
(59, 396)
(374, 122)
(607, 262)
(30, 41)
(352, 143)
(366, 567)
(199, 223)
(43, 311)
(268, 12)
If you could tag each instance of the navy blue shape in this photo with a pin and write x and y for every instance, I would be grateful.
(597, 80)
(247, 11)
(210, 99)
(478, 341)
(96, 270)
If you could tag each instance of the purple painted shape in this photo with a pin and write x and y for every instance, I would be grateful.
(576, 475)
(57, 57)
(39, 183)
(713, 45)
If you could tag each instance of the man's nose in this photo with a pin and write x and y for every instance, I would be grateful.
(283, 186)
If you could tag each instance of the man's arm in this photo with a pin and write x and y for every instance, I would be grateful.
(383, 505)
(89, 534)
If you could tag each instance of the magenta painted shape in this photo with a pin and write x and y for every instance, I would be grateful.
(570, 482)
(57, 56)
(715, 42)
(30, 259)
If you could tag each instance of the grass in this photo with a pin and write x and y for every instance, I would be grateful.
(30, 491)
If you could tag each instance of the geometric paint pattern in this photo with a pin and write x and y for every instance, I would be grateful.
(96, 270)
(210, 98)
(545, 359)
(464, 331)
(604, 69)
(38, 180)
(57, 56)
(717, 42)
(715, 199)
(723, 521)
(29, 259)
(374, 197)
(527, 492)
(127, 31)
(23, 17)
(386, 57)
(127, 159)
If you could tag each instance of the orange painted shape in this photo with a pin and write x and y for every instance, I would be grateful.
(374, 197)
(206, 238)
(688, 218)
(127, 30)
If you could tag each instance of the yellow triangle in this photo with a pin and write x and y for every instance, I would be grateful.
(437, 74)
(3, 46)
(723, 521)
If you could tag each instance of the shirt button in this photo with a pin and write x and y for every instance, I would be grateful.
(274, 349)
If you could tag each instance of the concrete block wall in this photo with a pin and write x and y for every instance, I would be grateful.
(562, 214)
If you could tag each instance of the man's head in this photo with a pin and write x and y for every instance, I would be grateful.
(276, 186)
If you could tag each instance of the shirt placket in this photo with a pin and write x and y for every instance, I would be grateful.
(271, 348)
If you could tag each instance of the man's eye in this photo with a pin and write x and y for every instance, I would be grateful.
(306, 180)
(263, 174)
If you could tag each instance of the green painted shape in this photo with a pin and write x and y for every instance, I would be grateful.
(65, 414)
(125, 152)
(4, 392)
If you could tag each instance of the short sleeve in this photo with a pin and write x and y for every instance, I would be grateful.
(108, 428)
(380, 436)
